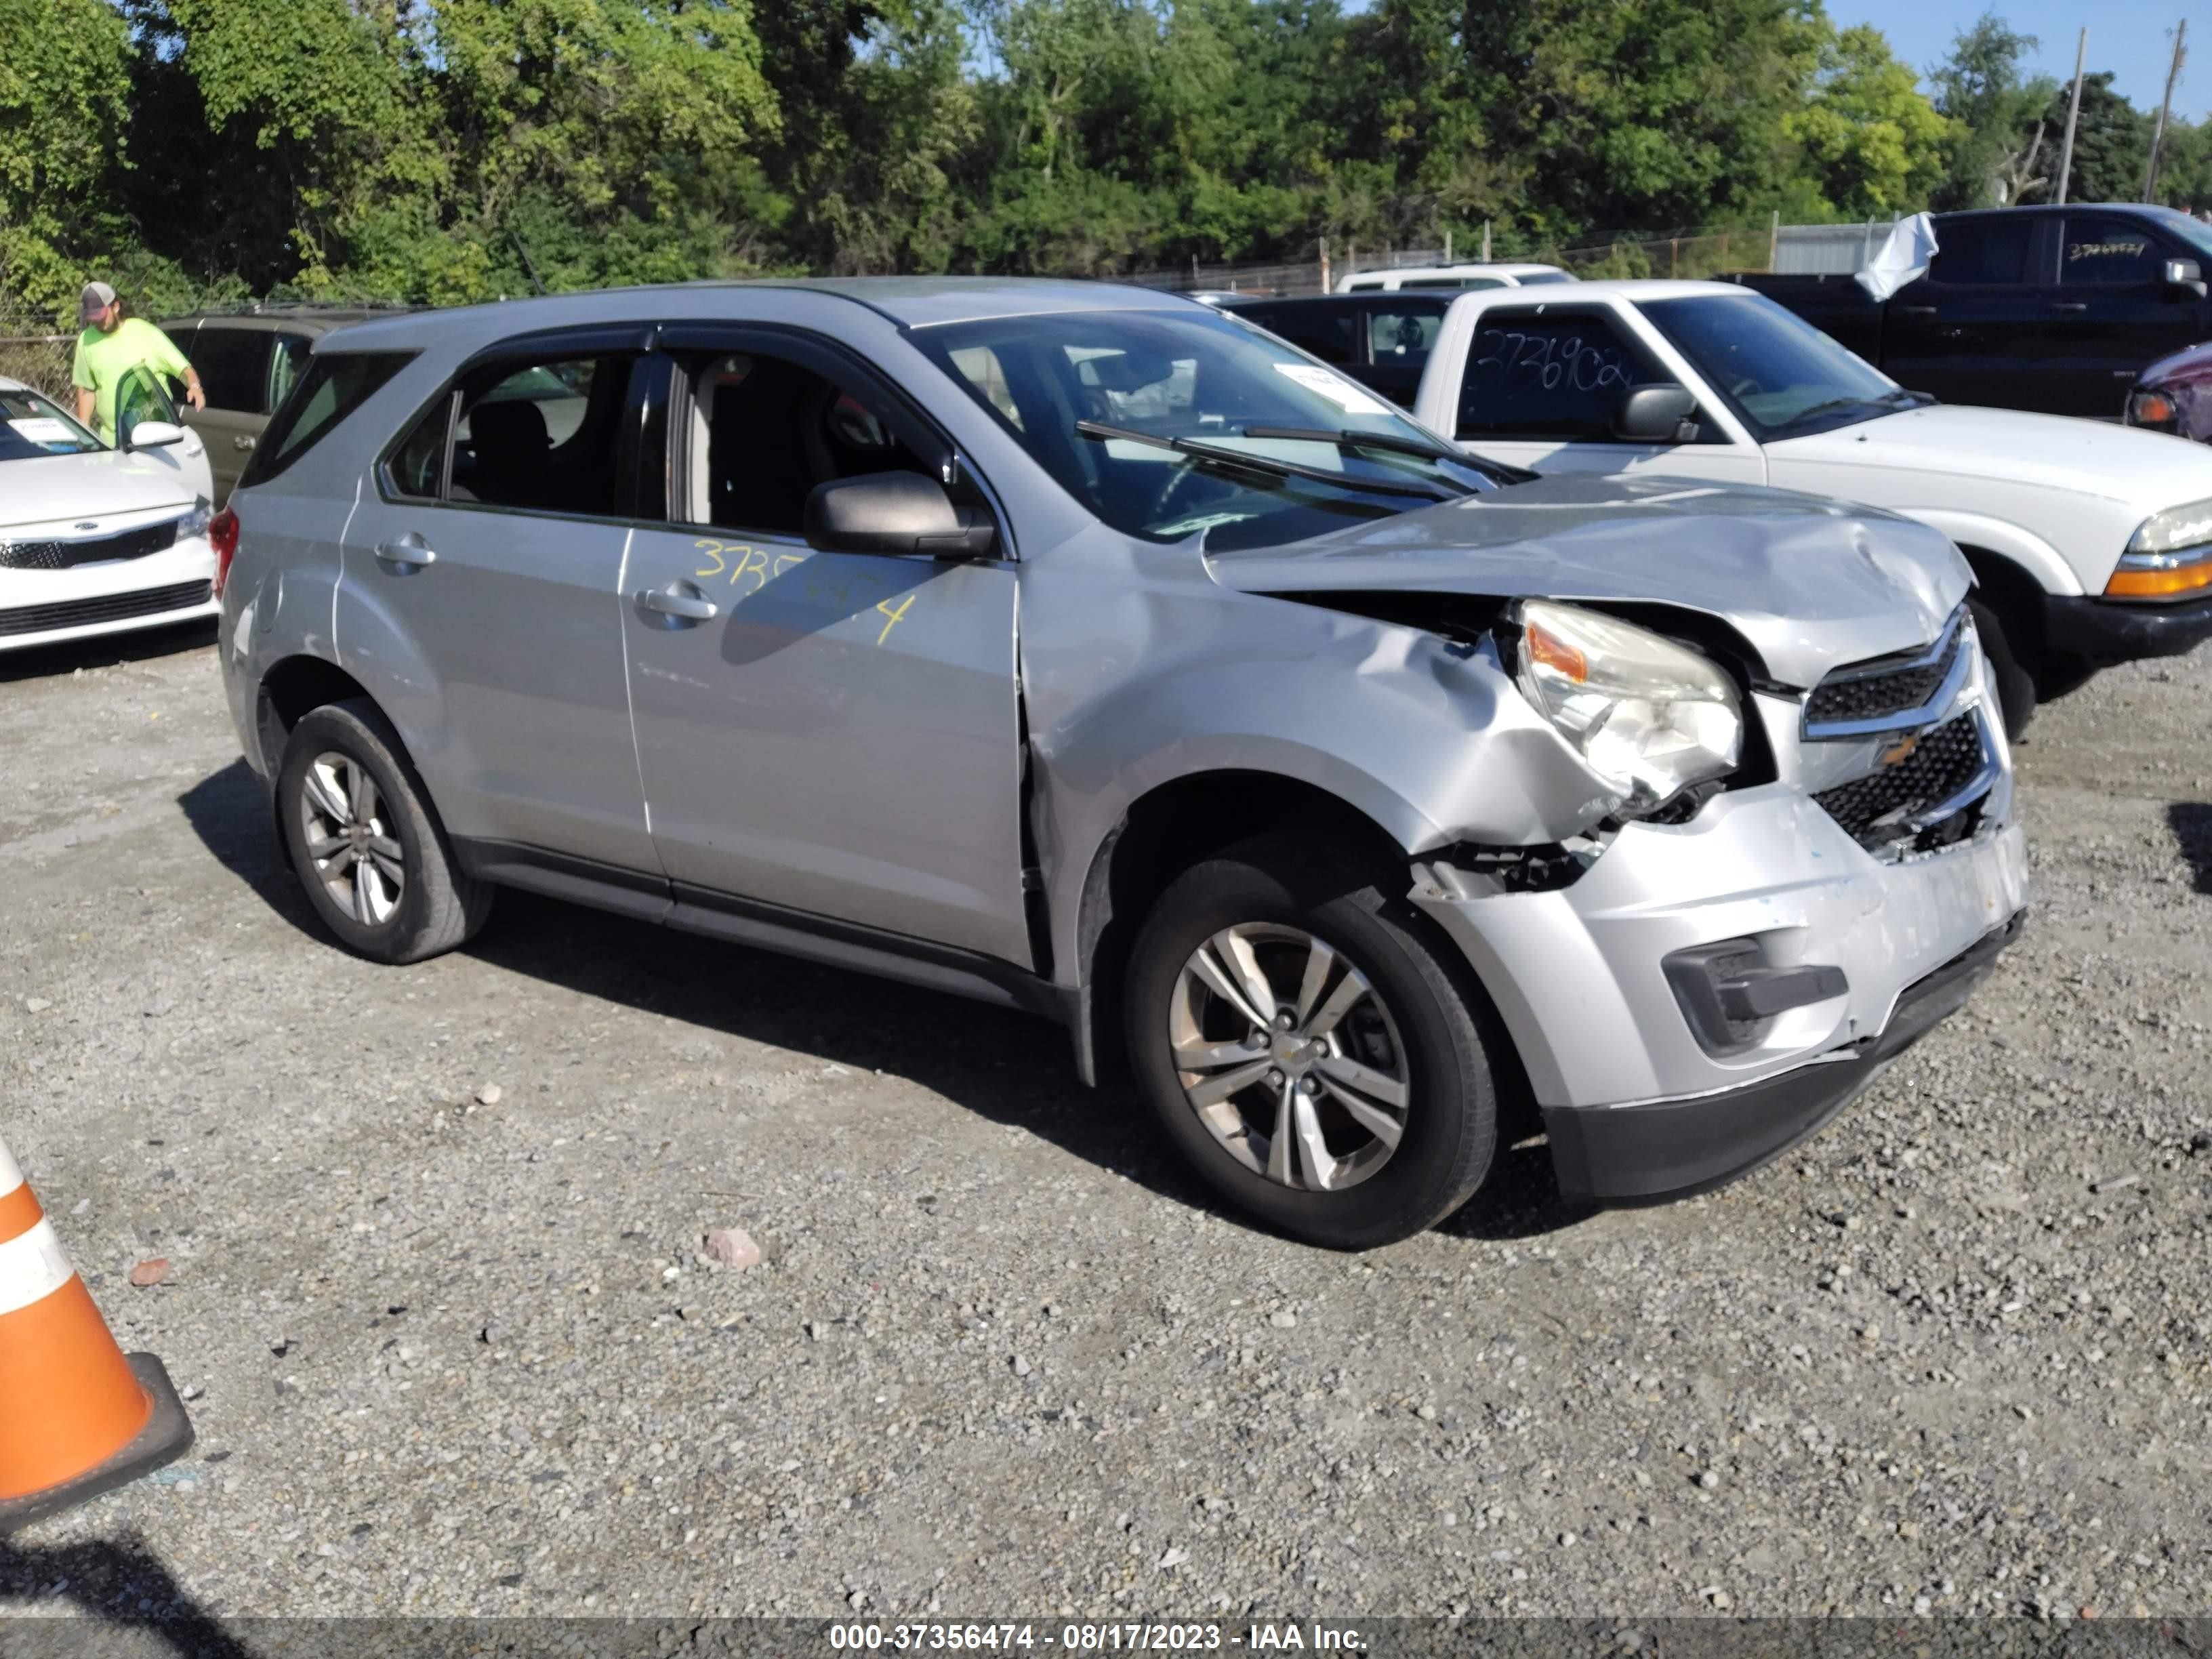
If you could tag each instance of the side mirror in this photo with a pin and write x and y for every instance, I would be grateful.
(895, 513)
(152, 435)
(1657, 415)
(2185, 273)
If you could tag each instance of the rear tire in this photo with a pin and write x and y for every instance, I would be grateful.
(1374, 1059)
(365, 841)
(2014, 683)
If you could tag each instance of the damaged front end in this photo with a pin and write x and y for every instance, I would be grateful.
(1772, 877)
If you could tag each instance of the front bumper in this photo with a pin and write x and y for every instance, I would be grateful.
(50, 607)
(1674, 1149)
(2105, 631)
(1638, 1103)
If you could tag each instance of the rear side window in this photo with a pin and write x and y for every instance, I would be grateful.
(335, 384)
(1402, 337)
(2106, 250)
(234, 368)
(1329, 332)
(531, 435)
(1983, 249)
(1547, 374)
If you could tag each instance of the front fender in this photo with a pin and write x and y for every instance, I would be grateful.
(1133, 686)
(2038, 557)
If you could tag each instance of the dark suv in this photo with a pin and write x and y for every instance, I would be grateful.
(248, 360)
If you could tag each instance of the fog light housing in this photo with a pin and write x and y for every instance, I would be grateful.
(1731, 995)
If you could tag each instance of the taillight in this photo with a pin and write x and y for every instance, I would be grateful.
(222, 536)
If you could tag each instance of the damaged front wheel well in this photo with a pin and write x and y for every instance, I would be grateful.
(1164, 833)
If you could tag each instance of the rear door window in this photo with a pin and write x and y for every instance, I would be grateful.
(1543, 372)
(1403, 336)
(234, 368)
(542, 437)
(2102, 250)
(1979, 251)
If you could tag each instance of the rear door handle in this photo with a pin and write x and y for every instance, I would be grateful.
(242, 443)
(405, 554)
(2071, 307)
(1914, 310)
(679, 599)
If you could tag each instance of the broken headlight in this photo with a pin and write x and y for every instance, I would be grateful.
(1650, 718)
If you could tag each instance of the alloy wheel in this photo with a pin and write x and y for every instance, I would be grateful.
(1290, 1057)
(356, 855)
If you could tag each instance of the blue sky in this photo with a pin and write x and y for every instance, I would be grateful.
(2133, 39)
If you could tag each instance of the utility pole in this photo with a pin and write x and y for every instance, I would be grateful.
(2158, 135)
(2073, 114)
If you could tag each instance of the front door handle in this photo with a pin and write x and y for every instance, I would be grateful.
(242, 443)
(405, 554)
(679, 599)
(1914, 310)
(2071, 307)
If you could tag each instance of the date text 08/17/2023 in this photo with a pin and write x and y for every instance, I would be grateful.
(1093, 1636)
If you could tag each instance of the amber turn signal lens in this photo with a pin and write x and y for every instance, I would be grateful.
(1553, 652)
(2150, 409)
(2160, 584)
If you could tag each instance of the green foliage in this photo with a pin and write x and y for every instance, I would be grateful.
(449, 150)
(65, 84)
(1998, 140)
(2112, 142)
(1870, 143)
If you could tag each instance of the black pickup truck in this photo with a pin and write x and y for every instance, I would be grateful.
(2049, 308)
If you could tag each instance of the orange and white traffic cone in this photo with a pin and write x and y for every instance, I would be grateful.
(78, 1416)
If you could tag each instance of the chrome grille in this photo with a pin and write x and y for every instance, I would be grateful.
(1926, 795)
(1891, 693)
(56, 554)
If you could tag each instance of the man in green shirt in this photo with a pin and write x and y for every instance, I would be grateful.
(112, 345)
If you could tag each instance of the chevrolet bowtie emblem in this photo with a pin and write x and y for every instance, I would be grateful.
(1899, 749)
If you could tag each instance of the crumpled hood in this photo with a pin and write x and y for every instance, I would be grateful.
(1812, 584)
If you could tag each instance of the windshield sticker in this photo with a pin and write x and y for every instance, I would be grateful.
(43, 429)
(1351, 398)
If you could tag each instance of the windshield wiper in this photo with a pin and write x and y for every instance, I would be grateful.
(1267, 465)
(1352, 438)
(1831, 406)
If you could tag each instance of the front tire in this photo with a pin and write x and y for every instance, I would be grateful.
(366, 843)
(2014, 683)
(1305, 1040)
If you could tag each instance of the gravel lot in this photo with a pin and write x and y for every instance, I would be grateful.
(436, 1282)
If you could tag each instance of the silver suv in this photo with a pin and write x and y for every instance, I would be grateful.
(1086, 650)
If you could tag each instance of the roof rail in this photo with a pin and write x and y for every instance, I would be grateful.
(255, 307)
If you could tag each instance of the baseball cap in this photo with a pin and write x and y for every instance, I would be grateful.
(95, 298)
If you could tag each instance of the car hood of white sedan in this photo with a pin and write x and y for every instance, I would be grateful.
(92, 487)
(2147, 471)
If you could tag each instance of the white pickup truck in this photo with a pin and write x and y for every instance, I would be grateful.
(2091, 543)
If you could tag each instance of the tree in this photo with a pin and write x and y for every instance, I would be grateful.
(1997, 146)
(1869, 142)
(2111, 143)
(64, 71)
(1664, 114)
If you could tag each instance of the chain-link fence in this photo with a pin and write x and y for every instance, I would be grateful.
(30, 352)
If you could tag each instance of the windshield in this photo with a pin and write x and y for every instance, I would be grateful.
(1785, 378)
(2195, 232)
(31, 427)
(1201, 379)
